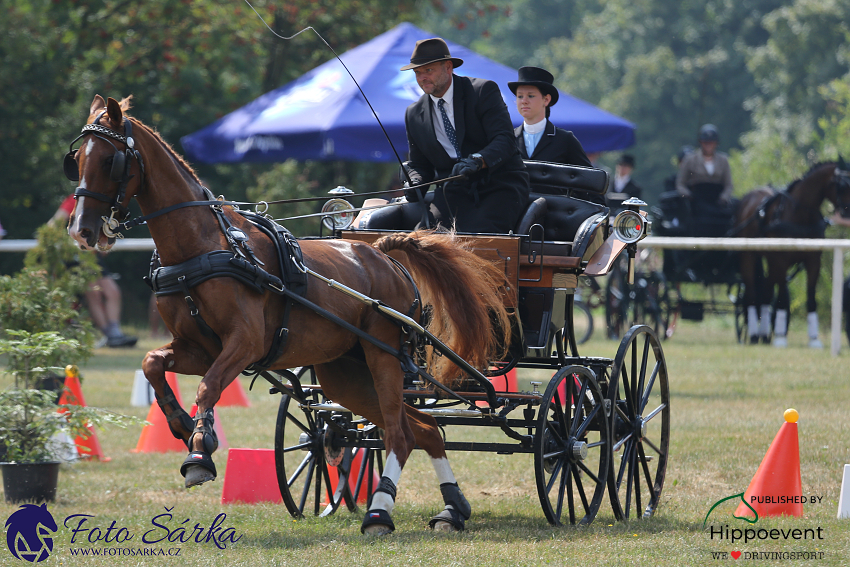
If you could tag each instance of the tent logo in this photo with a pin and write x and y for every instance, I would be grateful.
(29, 533)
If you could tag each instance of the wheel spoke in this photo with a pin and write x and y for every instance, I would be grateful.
(587, 422)
(655, 412)
(642, 380)
(588, 472)
(619, 443)
(646, 474)
(297, 423)
(297, 447)
(580, 488)
(558, 466)
(307, 460)
(651, 444)
(307, 484)
(578, 401)
(566, 479)
(648, 390)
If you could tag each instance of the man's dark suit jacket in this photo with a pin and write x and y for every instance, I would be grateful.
(557, 145)
(493, 199)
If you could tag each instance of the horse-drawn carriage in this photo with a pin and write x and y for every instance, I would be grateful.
(735, 281)
(405, 334)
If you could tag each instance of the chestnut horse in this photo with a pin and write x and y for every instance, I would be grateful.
(241, 322)
(793, 213)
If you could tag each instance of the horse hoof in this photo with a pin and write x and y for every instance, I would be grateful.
(445, 527)
(196, 474)
(780, 342)
(815, 343)
(377, 530)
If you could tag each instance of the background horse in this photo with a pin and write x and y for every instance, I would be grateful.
(221, 326)
(793, 213)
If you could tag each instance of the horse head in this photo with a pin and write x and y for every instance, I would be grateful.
(841, 179)
(109, 171)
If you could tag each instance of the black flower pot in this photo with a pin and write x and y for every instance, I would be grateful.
(30, 482)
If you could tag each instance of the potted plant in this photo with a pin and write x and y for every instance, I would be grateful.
(30, 419)
(41, 331)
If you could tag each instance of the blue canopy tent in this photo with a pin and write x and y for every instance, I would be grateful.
(323, 116)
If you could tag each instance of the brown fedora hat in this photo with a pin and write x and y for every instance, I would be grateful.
(430, 51)
(536, 77)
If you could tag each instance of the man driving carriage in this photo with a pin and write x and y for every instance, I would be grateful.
(460, 126)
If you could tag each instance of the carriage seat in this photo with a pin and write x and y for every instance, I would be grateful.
(588, 183)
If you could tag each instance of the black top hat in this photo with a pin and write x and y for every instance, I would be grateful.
(537, 77)
(627, 159)
(431, 51)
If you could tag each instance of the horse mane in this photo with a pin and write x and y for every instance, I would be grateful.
(814, 167)
(168, 147)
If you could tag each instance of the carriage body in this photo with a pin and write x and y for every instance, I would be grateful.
(590, 411)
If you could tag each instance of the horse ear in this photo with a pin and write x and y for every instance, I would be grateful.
(96, 104)
(113, 110)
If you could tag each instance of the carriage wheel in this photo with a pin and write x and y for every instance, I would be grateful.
(303, 446)
(616, 302)
(582, 322)
(639, 396)
(572, 448)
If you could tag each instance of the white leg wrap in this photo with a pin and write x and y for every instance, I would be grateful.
(764, 323)
(392, 471)
(812, 320)
(752, 321)
(781, 323)
(444, 471)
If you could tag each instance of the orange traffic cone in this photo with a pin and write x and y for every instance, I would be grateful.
(234, 395)
(156, 437)
(222, 440)
(776, 488)
(89, 447)
(250, 477)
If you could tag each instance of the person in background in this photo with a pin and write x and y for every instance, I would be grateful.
(623, 186)
(704, 175)
(461, 126)
(670, 181)
(103, 297)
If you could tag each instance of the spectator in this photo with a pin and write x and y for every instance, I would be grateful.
(103, 297)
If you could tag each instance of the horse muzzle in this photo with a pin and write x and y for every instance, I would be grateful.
(99, 234)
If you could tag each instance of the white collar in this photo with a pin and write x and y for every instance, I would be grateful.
(448, 96)
(534, 128)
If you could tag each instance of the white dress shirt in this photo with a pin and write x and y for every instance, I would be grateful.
(437, 119)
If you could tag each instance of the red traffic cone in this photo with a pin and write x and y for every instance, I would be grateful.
(776, 488)
(234, 395)
(156, 437)
(222, 440)
(72, 395)
(250, 477)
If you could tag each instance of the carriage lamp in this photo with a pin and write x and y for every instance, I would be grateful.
(630, 226)
(339, 215)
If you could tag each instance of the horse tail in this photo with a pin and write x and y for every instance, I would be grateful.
(463, 292)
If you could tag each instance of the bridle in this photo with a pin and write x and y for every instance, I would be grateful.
(118, 173)
(841, 178)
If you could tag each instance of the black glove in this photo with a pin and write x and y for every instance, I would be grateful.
(413, 195)
(466, 166)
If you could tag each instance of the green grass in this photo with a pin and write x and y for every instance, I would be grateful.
(727, 405)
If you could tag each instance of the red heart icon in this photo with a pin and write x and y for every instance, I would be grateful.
(736, 554)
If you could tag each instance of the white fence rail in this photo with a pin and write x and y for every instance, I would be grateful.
(673, 243)
(774, 244)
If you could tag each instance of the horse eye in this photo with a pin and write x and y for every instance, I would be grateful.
(107, 163)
